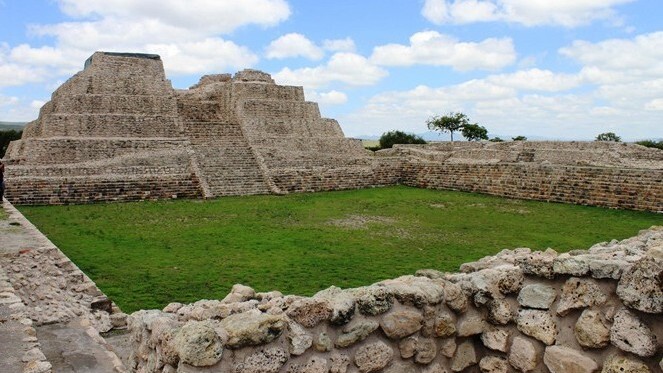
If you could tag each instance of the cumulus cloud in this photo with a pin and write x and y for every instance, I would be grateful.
(433, 48)
(209, 16)
(332, 97)
(339, 45)
(294, 45)
(567, 13)
(618, 87)
(348, 68)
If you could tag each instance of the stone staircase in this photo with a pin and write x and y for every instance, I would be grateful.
(225, 160)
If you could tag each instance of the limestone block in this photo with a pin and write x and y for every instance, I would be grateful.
(323, 343)
(624, 364)
(471, 323)
(268, 360)
(496, 339)
(338, 363)
(299, 339)
(537, 296)
(373, 357)
(374, 300)
(239, 293)
(426, 350)
(399, 324)
(252, 328)
(630, 334)
(445, 325)
(499, 312)
(641, 286)
(565, 264)
(560, 359)
(342, 304)
(493, 364)
(464, 357)
(537, 324)
(198, 344)
(580, 293)
(523, 354)
(310, 311)
(355, 332)
(454, 297)
(591, 330)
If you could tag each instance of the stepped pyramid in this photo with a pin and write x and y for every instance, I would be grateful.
(117, 130)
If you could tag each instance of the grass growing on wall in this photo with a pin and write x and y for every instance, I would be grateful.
(147, 254)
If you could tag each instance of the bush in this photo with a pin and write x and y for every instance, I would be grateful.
(519, 138)
(651, 144)
(388, 139)
(496, 139)
(6, 136)
(608, 136)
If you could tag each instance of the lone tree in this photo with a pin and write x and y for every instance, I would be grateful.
(474, 132)
(388, 139)
(451, 123)
(608, 136)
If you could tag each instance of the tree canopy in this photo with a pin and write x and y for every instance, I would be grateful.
(608, 136)
(5, 137)
(474, 132)
(388, 139)
(451, 123)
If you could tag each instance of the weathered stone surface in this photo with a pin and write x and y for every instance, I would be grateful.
(454, 297)
(373, 357)
(448, 347)
(198, 344)
(445, 325)
(407, 347)
(630, 334)
(523, 354)
(434, 368)
(493, 364)
(426, 350)
(565, 264)
(338, 363)
(464, 357)
(314, 365)
(342, 304)
(299, 339)
(499, 312)
(560, 359)
(373, 300)
(538, 263)
(580, 293)
(537, 296)
(400, 367)
(641, 286)
(268, 360)
(399, 324)
(309, 312)
(591, 330)
(37, 367)
(470, 323)
(239, 293)
(624, 364)
(496, 339)
(323, 343)
(355, 332)
(415, 291)
(252, 328)
(537, 324)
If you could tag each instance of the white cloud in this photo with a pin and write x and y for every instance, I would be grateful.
(567, 13)
(433, 48)
(348, 68)
(209, 16)
(294, 45)
(13, 109)
(339, 45)
(618, 87)
(211, 54)
(332, 97)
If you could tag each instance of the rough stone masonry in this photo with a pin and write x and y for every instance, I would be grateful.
(118, 131)
(595, 310)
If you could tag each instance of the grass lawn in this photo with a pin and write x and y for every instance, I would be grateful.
(147, 254)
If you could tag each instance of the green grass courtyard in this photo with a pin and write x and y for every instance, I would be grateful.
(147, 254)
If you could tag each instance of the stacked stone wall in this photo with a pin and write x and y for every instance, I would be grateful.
(520, 310)
(636, 189)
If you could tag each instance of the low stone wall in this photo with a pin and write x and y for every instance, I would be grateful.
(585, 311)
(88, 189)
(635, 189)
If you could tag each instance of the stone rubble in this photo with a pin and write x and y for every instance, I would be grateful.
(435, 322)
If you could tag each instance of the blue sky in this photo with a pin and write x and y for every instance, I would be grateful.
(563, 69)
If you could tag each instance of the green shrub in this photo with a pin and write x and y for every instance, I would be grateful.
(6, 136)
(651, 144)
(388, 139)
